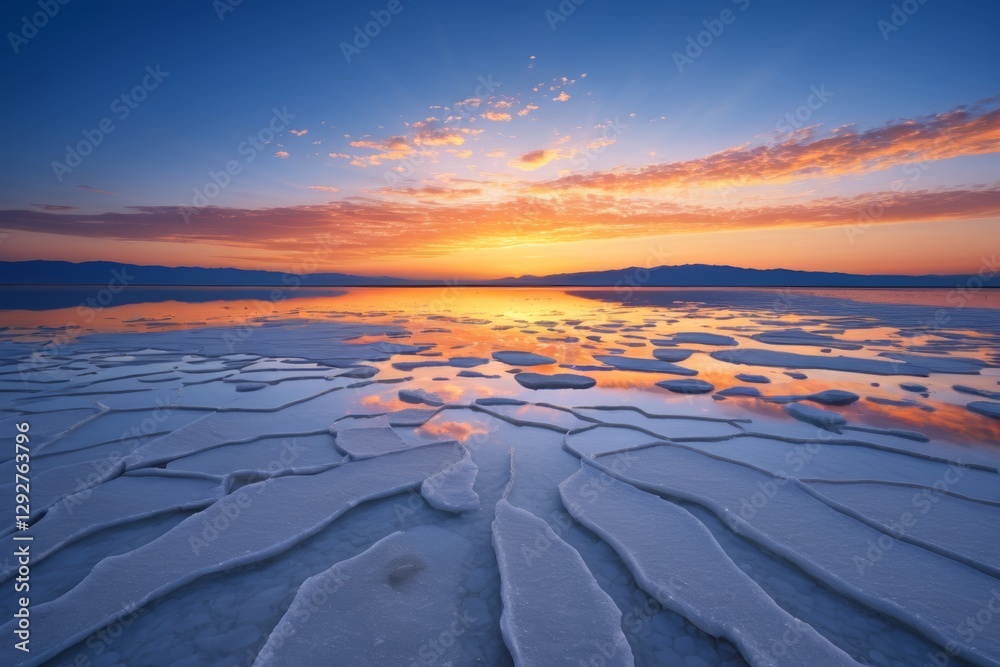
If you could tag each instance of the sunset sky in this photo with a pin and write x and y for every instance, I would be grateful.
(474, 140)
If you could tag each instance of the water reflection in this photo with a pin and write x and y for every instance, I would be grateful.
(572, 326)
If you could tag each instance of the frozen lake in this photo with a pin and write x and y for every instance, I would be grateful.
(465, 476)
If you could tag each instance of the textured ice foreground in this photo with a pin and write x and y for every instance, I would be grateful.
(690, 573)
(340, 616)
(318, 491)
(554, 610)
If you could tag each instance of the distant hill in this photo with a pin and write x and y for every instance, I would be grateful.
(707, 275)
(44, 272)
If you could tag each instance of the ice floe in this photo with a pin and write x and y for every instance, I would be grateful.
(682, 565)
(554, 381)
(339, 616)
(554, 611)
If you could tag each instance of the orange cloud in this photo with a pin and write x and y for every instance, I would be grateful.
(844, 151)
(534, 159)
(436, 222)
(496, 116)
(393, 148)
(439, 137)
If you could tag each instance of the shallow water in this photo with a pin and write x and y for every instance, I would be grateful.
(249, 389)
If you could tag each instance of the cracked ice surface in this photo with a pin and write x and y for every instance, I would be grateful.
(200, 490)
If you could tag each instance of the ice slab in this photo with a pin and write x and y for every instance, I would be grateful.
(421, 396)
(115, 502)
(676, 427)
(453, 362)
(47, 428)
(801, 337)
(843, 461)
(826, 397)
(750, 377)
(600, 439)
(976, 391)
(256, 522)
(958, 528)
(266, 455)
(672, 354)
(752, 392)
(697, 338)
(542, 415)
(825, 419)
(776, 358)
(554, 612)
(683, 567)
(643, 365)
(476, 374)
(499, 400)
(959, 365)
(516, 358)
(930, 593)
(686, 386)
(411, 416)
(451, 490)
(396, 603)
(985, 408)
(222, 428)
(50, 486)
(554, 381)
(364, 443)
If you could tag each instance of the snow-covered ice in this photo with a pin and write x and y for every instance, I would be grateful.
(333, 485)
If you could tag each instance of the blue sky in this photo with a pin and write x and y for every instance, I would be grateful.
(227, 74)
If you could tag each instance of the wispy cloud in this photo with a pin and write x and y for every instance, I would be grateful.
(434, 221)
(805, 154)
(534, 159)
(98, 191)
(497, 116)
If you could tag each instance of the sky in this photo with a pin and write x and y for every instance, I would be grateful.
(451, 140)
